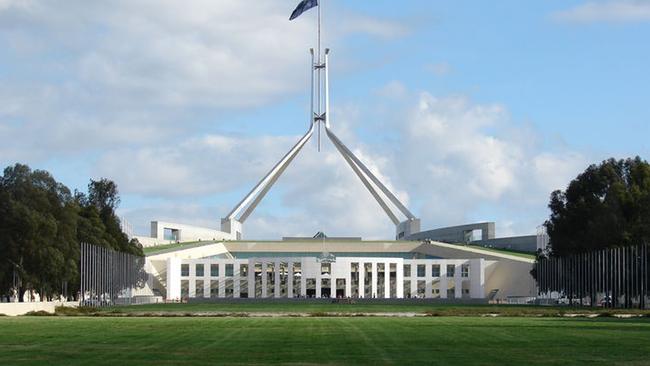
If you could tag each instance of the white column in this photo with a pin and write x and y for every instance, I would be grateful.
(399, 285)
(173, 279)
(414, 279)
(362, 280)
(303, 278)
(477, 278)
(458, 282)
(236, 284)
(206, 283)
(192, 278)
(276, 287)
(443, 279)
(264, 269)
(374, 280)
(290, 279)
(318, 279)
(348, 280)
(222, 280)
(428, 292)
(251, 278)
(387, 280)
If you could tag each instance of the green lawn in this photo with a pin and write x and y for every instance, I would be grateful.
(333, 341)
(512, 252)
(167, 247)
(325, 307)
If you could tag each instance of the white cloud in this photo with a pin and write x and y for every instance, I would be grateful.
(8, 4)
(439, 69)
(449, 160)
(179, 53)
(195, 53)
(618, 11)
(193, 167)
(553, 171)
(92, 76)
(371, 26)
(123, 80)
(394, 89)
(318, 192)
(456, 158)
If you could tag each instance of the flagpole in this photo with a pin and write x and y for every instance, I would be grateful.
(320, 4)
(320, 63)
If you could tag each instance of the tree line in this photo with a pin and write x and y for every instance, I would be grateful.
(606, 206)
(42, 224)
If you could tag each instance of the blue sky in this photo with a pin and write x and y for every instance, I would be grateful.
(472, 111)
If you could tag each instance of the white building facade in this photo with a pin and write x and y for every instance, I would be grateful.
(315, 277)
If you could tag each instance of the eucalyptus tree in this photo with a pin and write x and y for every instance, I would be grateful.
(608, 205)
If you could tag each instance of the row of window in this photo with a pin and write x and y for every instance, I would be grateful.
(199, 270)
(225, 288)
(435, 270)
(243, 270)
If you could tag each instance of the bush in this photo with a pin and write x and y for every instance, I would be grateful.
(71, 311)
(433, 313)
(39, 313)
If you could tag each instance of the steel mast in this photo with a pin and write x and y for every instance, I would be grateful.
(320, 114)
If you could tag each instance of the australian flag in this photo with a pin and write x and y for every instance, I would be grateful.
(303, 7)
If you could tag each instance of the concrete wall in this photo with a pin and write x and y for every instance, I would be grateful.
(523, 243)
(456, 234)
(317, 246)
(287, 284)
(157, 265)
(508, 274)
(21, 308)
(186, 233)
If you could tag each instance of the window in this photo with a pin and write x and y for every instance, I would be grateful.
(171, 234)
(451, 270)
(243, 270)
(199, 288)
(325, 268)
(464, 270)
(214, 270)
(229, 270)
(185, 270)
(435, 270)
(421, 289)
(421, 270)
(200, 270)
(407, 270)
(243, 289)
(230, 287)
(214, 289)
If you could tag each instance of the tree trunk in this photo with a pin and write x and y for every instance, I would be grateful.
(21, 294)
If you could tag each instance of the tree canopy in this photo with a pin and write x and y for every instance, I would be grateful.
(42, 224)
(608, 205)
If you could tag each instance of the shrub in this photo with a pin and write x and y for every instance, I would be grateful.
(39, 313)
(71, 311)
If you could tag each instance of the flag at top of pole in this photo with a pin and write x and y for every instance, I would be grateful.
(303, 7)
